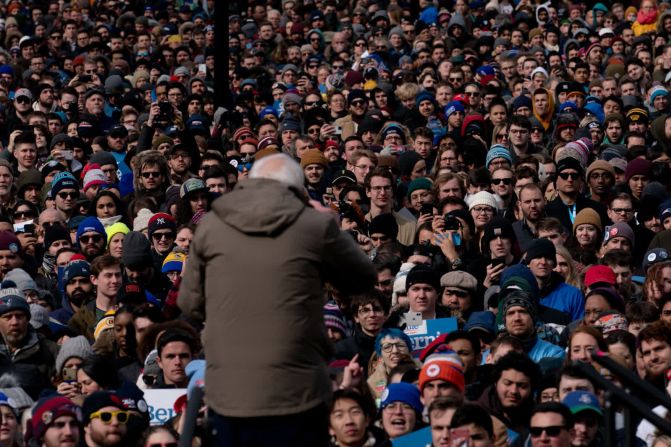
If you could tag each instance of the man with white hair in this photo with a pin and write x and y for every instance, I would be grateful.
(256, 269)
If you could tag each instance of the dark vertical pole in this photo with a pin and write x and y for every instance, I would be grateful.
(609, 418)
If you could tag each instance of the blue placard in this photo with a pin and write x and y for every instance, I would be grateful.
(419, 438)
(424, 334)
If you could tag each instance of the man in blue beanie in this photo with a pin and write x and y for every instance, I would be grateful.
(91, 238)
(65, 192)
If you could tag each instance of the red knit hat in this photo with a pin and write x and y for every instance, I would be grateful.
(50, 409)
(445, 365)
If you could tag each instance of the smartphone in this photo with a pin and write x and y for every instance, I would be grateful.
(69, 375)
(498, 261)
(85, 78)
(29, 228)
(202, 68)
(338, 130)
(68, 155)
(427, 208)
(413, 318)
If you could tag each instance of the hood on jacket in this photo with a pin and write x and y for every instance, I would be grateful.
(261, 207)
(456, 20)
(657, 130)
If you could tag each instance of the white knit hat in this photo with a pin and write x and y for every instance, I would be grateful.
(482, 198)
(141, 222)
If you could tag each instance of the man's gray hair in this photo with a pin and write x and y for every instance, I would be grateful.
(279, 167)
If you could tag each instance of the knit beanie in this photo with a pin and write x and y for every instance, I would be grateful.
(453, 107)
(620, 229)
(587, 216)
(407, 162)
(136, 250)
(77, 346)
(88, 225)
(48, 409)
(334, 318)
(161, 221)
(54, 233)
(600, 164)
(116, 228)
(518, 298)
(103, 158)
(173, 262)
(482, 198)
(166, 139)
(569, 163)
(61, 181)
(78, 267)
(497, 227)
(419, 183)
(424, 95)
(9, 241)
(522, 101)
(313, 157)
(21, 278)
(98, 400)
(444, 365)
(401, 392)
(519, 277)
(384, 224)
(637, 166)
(94, 177)
(12, 299)
(421, 274)
(498, 151)
(141, 221)
(541, 248)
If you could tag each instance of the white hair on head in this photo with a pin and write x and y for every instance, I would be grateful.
(279, 167)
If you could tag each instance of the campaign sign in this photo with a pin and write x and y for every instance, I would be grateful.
(161, 403)
(419, 438)
(422, 335)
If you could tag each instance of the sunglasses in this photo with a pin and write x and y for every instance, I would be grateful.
(151, 174)
(166, 236)
(22, 214)
(23, 100)
(311, 103)
(64, 195)
(94, 238)
(313, 66)
(456, 79)
(358, 103)
(566, 175)
(162, 444)
(106, 416)
(552, 431)
(505, 181)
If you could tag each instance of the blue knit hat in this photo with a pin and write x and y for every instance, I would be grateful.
(78, 267)
(12, 299)
(63, 180)
(424, 95)
(522, 101)
(91, 224)
(453, 107)
(401, 392)
(498, 151)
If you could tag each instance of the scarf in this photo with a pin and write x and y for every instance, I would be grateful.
(109, 221)
(646, 18)
(49, 264)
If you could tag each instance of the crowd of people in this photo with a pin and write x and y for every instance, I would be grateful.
(110, 154)
(502, 163)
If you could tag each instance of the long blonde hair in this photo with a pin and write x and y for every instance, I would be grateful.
(572, 278)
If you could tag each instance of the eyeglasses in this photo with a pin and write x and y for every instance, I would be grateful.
(483, 210)
(64, 194)
(505, 181)
(566, 175)
(106, 416)
(23, 100)
(400, 346)
(552, 431)
(166, 236)
(358, 103)
(93, 238)
(622, 210)
(151, 174)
